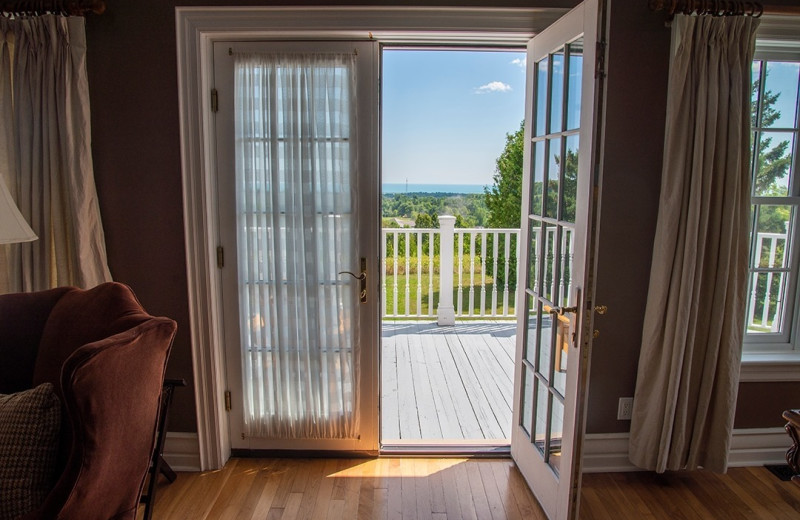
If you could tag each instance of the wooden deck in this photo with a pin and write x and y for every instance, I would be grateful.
(447, 383)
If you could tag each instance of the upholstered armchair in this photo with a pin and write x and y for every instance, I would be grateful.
(105, 357)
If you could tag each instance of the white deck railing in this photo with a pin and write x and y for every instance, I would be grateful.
(770, 251)
(475, 267)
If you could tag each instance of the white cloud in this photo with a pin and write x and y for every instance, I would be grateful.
(494, 86)
(519, 62)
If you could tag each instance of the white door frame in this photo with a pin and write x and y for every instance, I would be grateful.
(197, 28)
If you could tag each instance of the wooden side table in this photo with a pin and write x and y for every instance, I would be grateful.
(793, 453)
(159, 465)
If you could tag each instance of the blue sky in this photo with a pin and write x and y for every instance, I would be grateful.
(446, 113)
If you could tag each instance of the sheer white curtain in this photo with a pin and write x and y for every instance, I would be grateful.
(45, 154)
(295, 190)
(694, 322)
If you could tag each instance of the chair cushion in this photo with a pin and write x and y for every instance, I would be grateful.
(29, 428)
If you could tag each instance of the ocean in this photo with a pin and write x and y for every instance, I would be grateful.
(389, 188)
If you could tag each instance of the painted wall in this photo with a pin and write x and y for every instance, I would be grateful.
(135, 133)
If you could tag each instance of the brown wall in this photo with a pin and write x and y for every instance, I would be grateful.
(135, 133)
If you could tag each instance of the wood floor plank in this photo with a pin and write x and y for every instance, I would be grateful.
(479, 404)
(406, 396)
(385, 488)
(423, 388)
(390, 413)
(446, 412)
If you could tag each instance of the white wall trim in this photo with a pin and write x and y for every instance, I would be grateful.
(182, 451)
(761, 367)
(608, 452)
(196, 30)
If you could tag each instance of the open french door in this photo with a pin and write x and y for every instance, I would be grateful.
(554, 334)
(296, 127)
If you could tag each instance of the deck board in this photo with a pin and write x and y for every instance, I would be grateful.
(447, 383)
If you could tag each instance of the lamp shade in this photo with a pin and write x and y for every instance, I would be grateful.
(13, 227)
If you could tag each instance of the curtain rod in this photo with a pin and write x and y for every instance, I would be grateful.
(707, 7)
(39, 7)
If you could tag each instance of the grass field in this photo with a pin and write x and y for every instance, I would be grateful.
(421, 284)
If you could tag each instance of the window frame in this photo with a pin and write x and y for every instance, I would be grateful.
(777, 357)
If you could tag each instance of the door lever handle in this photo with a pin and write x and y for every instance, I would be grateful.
(362, 278)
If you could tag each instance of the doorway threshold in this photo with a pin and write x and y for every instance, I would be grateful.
(489, 448)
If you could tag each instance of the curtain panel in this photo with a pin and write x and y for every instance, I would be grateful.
(689, 363)
(296, 184)
(45, 155)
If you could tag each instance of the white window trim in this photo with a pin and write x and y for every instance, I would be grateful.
(197, 28)
(778, 38)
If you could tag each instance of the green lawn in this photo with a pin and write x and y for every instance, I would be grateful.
(414, 281)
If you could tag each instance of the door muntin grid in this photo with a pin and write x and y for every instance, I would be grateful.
(551, 220)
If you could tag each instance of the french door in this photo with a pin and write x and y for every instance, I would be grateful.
(296, 126)
(554, 333)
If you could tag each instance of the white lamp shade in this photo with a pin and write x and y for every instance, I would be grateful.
(13, 227)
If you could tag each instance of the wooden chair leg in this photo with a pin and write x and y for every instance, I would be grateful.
(159, 465)
(793, 453)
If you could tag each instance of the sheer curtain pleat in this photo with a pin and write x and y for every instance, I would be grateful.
(46, 154)
(295, 189)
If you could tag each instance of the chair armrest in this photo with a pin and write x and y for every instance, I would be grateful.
(111, 390)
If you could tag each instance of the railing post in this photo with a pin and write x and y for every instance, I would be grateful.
(446, 312)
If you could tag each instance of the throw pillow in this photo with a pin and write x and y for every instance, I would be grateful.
(29, 431)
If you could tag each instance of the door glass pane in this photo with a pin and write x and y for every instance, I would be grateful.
(537, 185)
(540, 416)
(553, 177)
(541, 96)
(551, 263)
(535, 251)
(574, 85)
(545, 342)
(557, 92)
(527, 400)
(556, 427)
(532, 341)
(570, 189)
(567, 256)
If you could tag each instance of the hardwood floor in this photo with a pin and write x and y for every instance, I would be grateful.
(438, 489)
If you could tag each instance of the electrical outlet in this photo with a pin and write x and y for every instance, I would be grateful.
(625, 408)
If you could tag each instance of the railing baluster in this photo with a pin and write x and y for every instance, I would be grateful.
(431, 244)
(396, 271)
(495, 240)
(407, 237)
(383, 272)
(483, 274)
(471, 303)
(459, 297)
(765, 308)
(507, 247)
(419, 273)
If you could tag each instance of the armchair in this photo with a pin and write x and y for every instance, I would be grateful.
(105, 357)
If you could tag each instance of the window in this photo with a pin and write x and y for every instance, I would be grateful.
(772, 311)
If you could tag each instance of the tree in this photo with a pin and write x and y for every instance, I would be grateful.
(504, 198)
(504, 203)
(426, 221)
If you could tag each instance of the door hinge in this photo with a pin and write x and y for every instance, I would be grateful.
(220, 257)
(214, 100)
(600, 60)
(227, 400)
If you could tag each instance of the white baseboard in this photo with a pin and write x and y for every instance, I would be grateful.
(608, 452)
(182, 451)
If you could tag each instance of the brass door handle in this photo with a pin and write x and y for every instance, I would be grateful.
(563, 310)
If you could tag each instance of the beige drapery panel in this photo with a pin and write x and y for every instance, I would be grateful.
(45, 155)
(691, 341)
